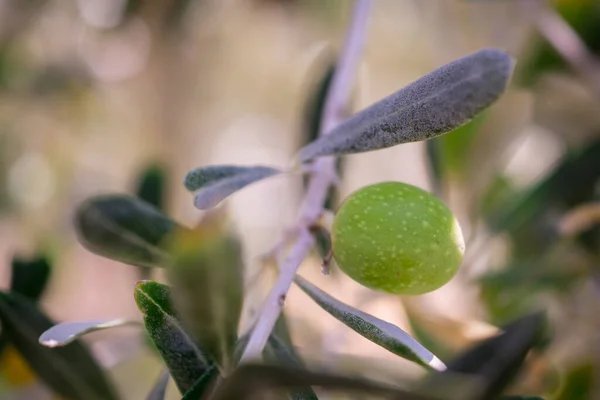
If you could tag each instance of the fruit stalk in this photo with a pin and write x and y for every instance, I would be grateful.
(322, 176)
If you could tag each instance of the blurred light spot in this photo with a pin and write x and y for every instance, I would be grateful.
(117, 56)
(31, 180)
(535, 155)
(102, 14)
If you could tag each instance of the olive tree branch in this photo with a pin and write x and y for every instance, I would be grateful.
(322, 176)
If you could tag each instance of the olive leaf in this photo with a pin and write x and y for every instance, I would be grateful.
(186, 363)
(30, 275)
(70, 371)
(123, 228)
(63, 334)
(202, 384)
(249, 380)
(496, 361)
(380, 332)
(159, 390)
(207, 277)
(431, 106)
(212, 184)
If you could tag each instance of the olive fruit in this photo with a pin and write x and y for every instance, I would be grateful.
(397, 238)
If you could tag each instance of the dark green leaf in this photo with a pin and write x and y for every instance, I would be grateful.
(516, 397)
(380, 332)
(63, 334)
(207, 276)
(435, 104)
(250, 380)
(213, 184)
(159, 390)
(124, 229)
(186, 363)
(70, 371)
(498, 360)
(151, 186)
(202, 384)
(30, 275)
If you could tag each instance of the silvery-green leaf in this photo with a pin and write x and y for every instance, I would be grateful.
(202, 385)
(124, 229)
(159, 390)
(431, 106)
(63, 334)
(213, 184)
(186, 363)
(380, 332)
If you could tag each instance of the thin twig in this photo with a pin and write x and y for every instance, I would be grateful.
(321, 178)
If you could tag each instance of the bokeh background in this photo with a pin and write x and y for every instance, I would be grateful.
(97, 95)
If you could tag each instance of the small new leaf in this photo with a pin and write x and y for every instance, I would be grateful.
(213, 184)
(380, 332)
(70, 371)
(124, 229)
(63, 334)
(431, 106)
(207, 276)
(186, 363)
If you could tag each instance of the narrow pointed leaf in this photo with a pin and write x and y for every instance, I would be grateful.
(213, 184)
(159, 390)
(202, 384)
(207, 276)
(30, 275)
(380, 332)
(431, 106)
(249, 380)
(186, 363)
(498, 360)
(124, 229)
(70, 371)
(65, 333)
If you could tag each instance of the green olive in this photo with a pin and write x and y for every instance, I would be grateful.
(397, 238)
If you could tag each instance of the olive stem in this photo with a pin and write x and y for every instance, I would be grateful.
(321, 178)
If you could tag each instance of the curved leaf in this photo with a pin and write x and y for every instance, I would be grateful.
(63, 334)
(213, 184)
(249, 380)
(70, 371)
(124, 229)
(380, 332)
(207, 277)
(186, 363)
(497, 361)
(431, 106)
(159, 390)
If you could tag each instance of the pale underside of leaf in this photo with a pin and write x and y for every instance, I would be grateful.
(431, 106)
(65, 333)
(213, 184)
(77, 382)
(376, 330)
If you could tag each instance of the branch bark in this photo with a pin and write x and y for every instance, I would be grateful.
(321, 178)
